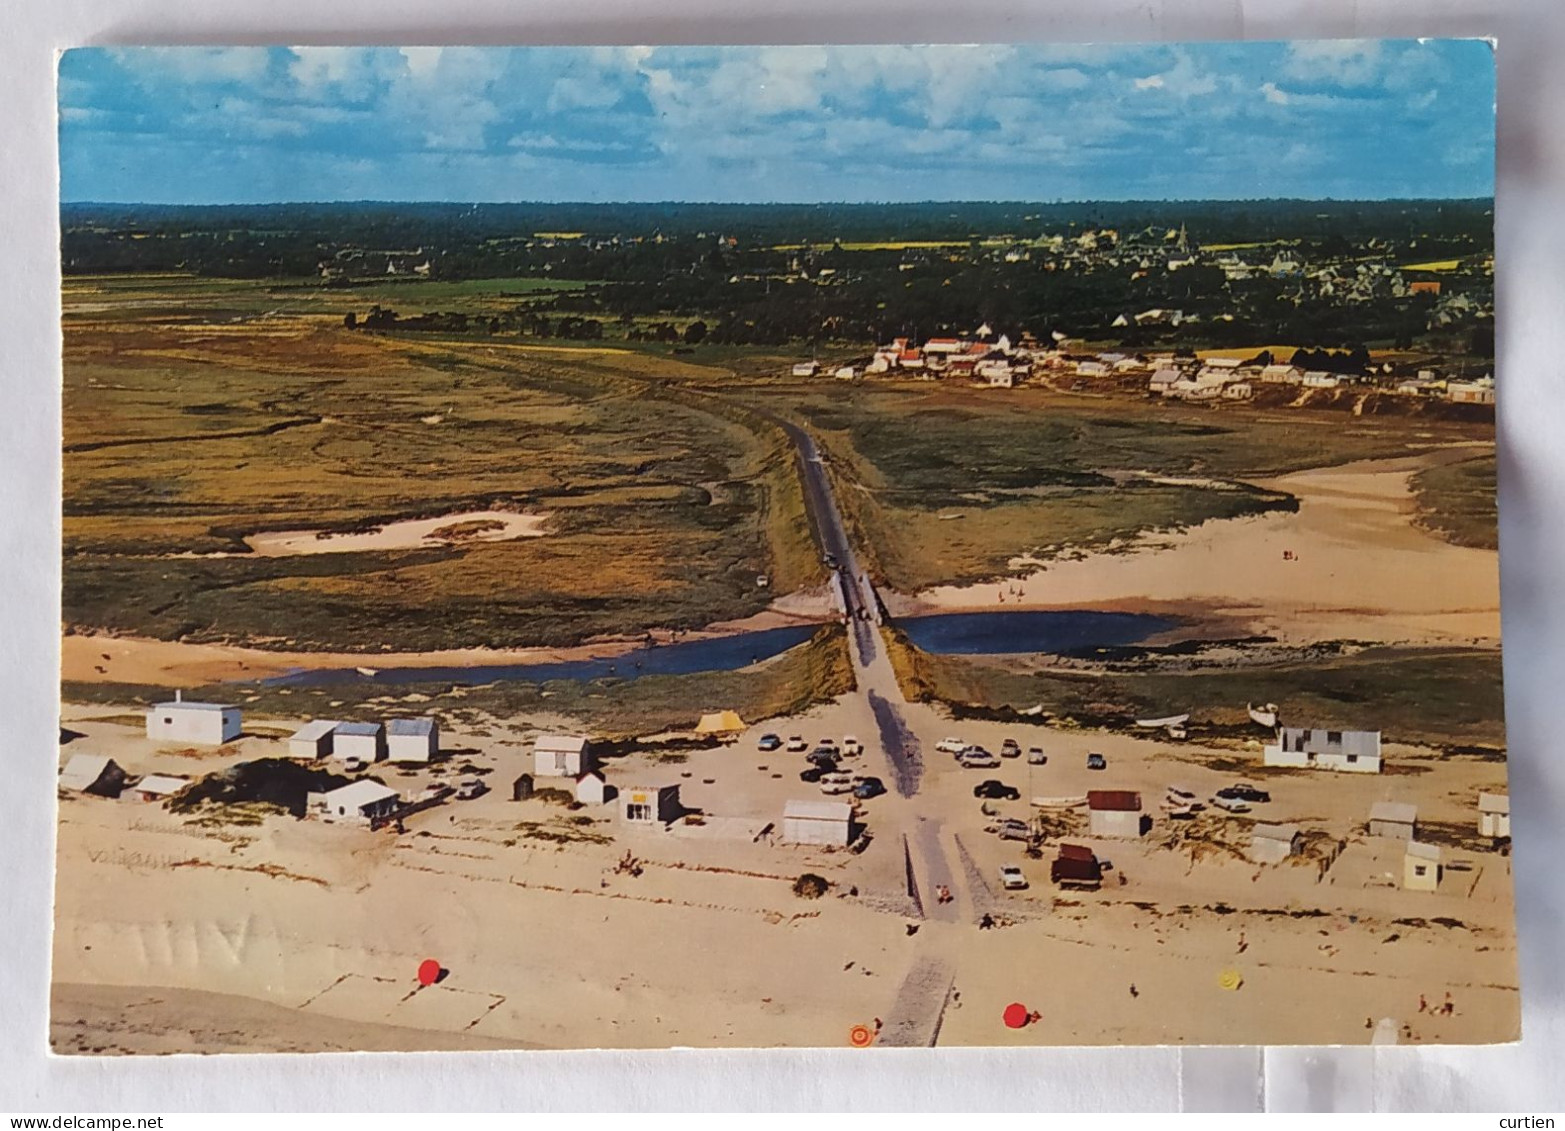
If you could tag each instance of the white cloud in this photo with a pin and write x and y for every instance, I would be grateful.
(1344, 62)
(1273, 95)
(1151, 82)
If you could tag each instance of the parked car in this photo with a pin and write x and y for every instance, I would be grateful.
(831, 784)
(852, 747)
(769, 742)
(1097, 762)
(1181, 796)
(354, 765)
(996, 790)
(1231, 805)
(827, 744)
(813, 774)
(470, 788)
(1010, 748)
(869, 787)
(1011, 878)
(951, 745)
(433, 792)
(977, 758)
(823, 758)
(796, 744)
(1036, 756)
(1243, 792)
(1012, 829)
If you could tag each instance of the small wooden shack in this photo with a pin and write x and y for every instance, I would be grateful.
(1421, 869)
(1494, 815)
(97, 774)
(1272, 844)
(649, 805)
(1394, 819)
(522, 787)
(313, 739)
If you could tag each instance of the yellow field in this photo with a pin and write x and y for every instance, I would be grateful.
(1434, 265)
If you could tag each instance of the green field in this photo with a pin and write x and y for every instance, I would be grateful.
(949, 484)
(1417, 695)
(664, 507)
(1458, 502)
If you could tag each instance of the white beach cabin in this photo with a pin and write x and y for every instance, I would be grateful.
(1272, 844)
(366, 741)
(1494, 815)
(412, 740)
(561, 756)
(1421, 869)
(826, 823)
(649, 805)
(208, 724)
(154, 787)
(313, 739)
(1394, 819)
(357, 803)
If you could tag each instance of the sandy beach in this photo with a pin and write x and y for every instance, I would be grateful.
(547, 944)
(1361, 569)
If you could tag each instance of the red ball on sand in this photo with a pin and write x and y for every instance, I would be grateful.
(428, 972)
(1016, 1015)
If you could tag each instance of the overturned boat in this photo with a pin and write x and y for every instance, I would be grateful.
(1265, 715)
(1172, 721)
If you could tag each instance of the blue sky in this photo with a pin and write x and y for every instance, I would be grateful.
(1334, 118)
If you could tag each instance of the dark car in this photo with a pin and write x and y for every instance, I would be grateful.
(769, 742)
(813, 774)
(1244, 793)
(997, 791)
(1097, 762)
(823, 758)
(869, 787)
(1010, 748)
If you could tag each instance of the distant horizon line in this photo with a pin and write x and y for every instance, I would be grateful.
(1489, 197)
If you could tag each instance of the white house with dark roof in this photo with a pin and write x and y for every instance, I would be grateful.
(207, 724)
(561, 755)
(366, 741)
(357, 803)
(412, 740)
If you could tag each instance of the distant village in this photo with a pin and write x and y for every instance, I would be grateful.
(986, 358)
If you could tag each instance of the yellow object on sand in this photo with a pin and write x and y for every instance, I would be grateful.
(720, 722)
(1230, 979)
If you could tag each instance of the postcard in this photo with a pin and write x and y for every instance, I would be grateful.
(844, 547)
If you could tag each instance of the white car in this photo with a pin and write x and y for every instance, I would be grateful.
(1011, 878)
(797, 745)
(1231, 804)
(471, 788)
(852, 747)
(977, 758)
(837, 782)
(951, 745)
(354, 765)
(434, 792)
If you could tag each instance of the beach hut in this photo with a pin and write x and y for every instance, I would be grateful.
(817, 822)
(591, 789)
(208, 724)
(357, 803)
(154, 787)
(1116, 813)
(522, 787)
(313, 739)
(1421, 869)
(366, 741)
(1272, 844)
(649, 805)
(1394, 819)
(720, 723)
(561, 755)
(412, 740)
(1076, 866)
(1350, 751)
(1494, 815)
(92, 773)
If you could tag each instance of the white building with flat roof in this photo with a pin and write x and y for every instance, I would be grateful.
(649, 805)
(1421, 868)
(1272, 844)
(826, 823)
(206, 724)
(1494, 815)
(1394, 819)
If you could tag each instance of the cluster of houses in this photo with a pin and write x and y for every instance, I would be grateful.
(995, 361)
(398, 740)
